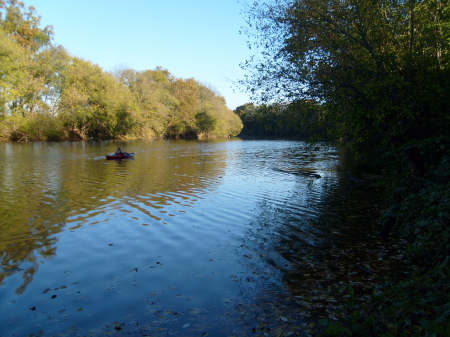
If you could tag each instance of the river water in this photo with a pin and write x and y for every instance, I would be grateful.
(189, 238)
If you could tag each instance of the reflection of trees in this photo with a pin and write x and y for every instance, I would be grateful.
(292, 222)
(22, 247)
(29, 222)
(46, 186)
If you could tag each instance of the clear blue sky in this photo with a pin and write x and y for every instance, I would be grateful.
(190, 38)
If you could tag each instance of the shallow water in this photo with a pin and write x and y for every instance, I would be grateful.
(189, 238)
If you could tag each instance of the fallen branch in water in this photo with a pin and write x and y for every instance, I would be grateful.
(298, 172)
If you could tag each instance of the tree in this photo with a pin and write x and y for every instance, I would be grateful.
(93, 104)
(12, 70)
(177, 108)
(46, 94)
(26, 74)
(182, 117)
(213, 118)
(299, 119)
(151, 91)
(23, 25)
(381, 68)
(26, 82)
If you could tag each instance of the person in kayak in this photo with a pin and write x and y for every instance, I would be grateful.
(119, 151)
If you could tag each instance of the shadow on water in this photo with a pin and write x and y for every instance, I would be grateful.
(323, 244)
(189, 238)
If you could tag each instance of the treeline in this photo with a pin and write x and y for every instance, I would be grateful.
(301, 119)
(47, 94)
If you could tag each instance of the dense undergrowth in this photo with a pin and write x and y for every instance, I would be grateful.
(418, 305)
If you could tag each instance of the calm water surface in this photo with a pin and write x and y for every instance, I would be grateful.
(189, 238)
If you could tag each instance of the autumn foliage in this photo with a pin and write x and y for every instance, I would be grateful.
(47, 94)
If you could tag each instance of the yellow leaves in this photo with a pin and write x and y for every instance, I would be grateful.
(23, 25)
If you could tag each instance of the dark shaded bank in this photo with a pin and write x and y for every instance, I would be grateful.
(413, 300)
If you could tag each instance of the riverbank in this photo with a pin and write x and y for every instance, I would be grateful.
(413, 300)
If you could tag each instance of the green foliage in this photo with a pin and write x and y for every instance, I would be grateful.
(380, 68)
(421, 206)
(46, 94)
(33, 128)
(177, 108)
(93, 103)
(381, 72)
(12, 69)
(436, 329)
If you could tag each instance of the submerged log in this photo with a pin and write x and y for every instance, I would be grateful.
(308, 173)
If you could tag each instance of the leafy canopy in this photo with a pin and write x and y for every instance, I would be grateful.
(381, 68)
(47, 94)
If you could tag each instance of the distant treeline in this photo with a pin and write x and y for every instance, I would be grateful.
(305, 120)
(47, 94)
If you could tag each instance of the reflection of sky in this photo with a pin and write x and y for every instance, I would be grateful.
(196, 230)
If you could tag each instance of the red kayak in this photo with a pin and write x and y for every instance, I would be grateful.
(124, 155)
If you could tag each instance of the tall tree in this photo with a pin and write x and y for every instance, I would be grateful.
(213, 118)
(13, 62)
(47, 94)
(23, 25)
(151, 91)
(93, 104)
(182, 118)
(380, 67)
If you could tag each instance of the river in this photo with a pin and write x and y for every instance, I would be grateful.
(189, 238)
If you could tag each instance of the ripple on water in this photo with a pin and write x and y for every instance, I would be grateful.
(186, 227)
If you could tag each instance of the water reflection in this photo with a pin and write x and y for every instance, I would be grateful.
(49, 186)
(189, 237)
